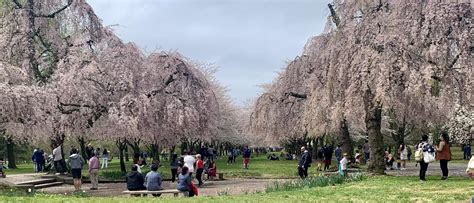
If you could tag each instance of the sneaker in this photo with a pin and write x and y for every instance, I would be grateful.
(444, 178)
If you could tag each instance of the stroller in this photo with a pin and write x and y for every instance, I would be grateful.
(49, 165)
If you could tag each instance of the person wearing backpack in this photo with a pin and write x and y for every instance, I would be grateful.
(444, 154)
(422, 146)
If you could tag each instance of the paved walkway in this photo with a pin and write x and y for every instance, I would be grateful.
(231, 187)
(455, 169)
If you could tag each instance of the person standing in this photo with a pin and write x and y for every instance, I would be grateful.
(200, 169)
(89, 151)
(304, 163)
(402, 150)
(366, 150)
(94, 171)
(327, 157)
(423, 146)
(33, 158)
(153, 180)
(76, 163)
(443, 154)
(210, 153)
(246, 156)
(39, 160)
(338, 153)
(189, 162)
(343, 165)
(59, 165)
(105, 159)
(174, 164)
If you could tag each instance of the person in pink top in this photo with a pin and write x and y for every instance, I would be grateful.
(94, 171)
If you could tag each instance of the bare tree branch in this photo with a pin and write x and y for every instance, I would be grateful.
(53, 14)
(18, 5)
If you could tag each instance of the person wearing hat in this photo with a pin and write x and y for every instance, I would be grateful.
(304, 163)
(343, 165)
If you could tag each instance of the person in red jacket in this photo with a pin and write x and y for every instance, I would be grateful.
(200, 169)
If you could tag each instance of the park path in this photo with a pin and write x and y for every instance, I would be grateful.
(455, 169)
(229, 186)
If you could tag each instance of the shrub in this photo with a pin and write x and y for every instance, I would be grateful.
(310, 182)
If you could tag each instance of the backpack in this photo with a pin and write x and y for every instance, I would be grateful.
(419, 154)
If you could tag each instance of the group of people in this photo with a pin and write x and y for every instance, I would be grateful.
(183, 170)
(324, 156)
(443, 155)
(104, 154)
(305, 161)
(39, 160)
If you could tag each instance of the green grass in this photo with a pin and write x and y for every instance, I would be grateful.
(260, 167)
(370, 189)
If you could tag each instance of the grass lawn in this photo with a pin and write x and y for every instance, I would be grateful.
(260, 167)
(372, 189)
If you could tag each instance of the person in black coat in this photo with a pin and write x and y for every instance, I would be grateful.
(135, 180)
(304, 163)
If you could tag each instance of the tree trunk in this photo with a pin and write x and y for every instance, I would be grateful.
(373, 120)
(155, 153)
(122, 146)
(11, 153)
(126, 154)
(82, 144)
(135, 147)
(345, 140)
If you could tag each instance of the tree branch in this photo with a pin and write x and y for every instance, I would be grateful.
(297, 95)
(18, 5)
(53, 14)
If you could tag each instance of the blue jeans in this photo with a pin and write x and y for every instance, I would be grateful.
(366, 156)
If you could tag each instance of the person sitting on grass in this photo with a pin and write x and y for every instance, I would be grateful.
(135, 180)
(389, 160)
(184, 182)
(153, 180)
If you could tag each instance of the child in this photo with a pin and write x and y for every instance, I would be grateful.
(343, 165)
(470, 168)
(357, 157)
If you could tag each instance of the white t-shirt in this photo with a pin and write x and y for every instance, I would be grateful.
(343, 163)
(189, 162)
(57, 153)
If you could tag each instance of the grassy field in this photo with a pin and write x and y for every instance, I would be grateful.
(372, 189)
(260, 167)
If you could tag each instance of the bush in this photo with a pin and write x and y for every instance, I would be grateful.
(310, 182)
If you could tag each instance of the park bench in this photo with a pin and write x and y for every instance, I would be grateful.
(175, 192)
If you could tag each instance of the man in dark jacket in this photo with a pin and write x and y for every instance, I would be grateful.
(304, 163)
(135, 180)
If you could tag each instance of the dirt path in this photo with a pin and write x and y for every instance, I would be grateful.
(231, 187)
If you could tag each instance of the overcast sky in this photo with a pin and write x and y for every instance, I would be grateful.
(249, 40)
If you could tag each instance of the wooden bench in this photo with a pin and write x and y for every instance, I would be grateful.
(175, 192)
